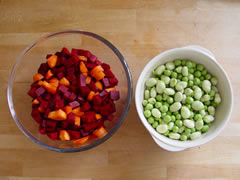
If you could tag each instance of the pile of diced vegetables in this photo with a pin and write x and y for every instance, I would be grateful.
(73, 94)
(180, 100)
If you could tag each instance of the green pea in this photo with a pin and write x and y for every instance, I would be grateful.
(191, 70)
(158, 104)
(193, 64)
(150, 120)
(183, 62)
(178, 123)
(178, 116)
(174, 75)
(204, 72)
(170, 100)
(166, 133)
(149, 107)
(164, 108)
(169, 113)
(190, 83)
(212, 93)
(175, 129)
(196, 81)
(187, 131)
(147, 113)
(167, 72)
(207, 103)
(185, 79)
(193, 130)
(177, 62)
(200, 67)
(145, 102)
(208, 76)
(154, 124)
(159, 98)
(189, 100)
(164, 114)
(180, 76)
(183, 137)
(189, 64)
(188, 106)
(197, 74)
(205, 128)
(197, 117)
(167, 119)
(201, 78)
(152, 100)
(173, 118)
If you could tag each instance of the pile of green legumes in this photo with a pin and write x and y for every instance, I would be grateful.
(180, 100)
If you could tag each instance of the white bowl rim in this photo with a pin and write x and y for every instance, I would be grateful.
(152, 131)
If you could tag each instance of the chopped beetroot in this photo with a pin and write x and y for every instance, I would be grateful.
(105, 66)
(47, 96)
(74, 104)
(106, 82)
(83, 133)
(113, 81)
(36, 115)
(59, 104)
(53, 135)
(65, 52)
(75, 92)
(84, 53)
(92, 58)
(31, 92)
(71, 118)
(43, 104)
(60, 75)
(92, 86)
(80, 99)
(74, 134)
(40, 91)
(72, 97)
(108, 73)
(43, 69)
(82, 80)
(90, 65)
(97, 62)
(85, 107)
(63, 89)
(84, 91)
(114, 95)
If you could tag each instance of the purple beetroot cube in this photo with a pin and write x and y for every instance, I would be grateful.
(82, 80)
(65, 52)
(72, 97)
(114, 95)
(105, 66)
(43, 69)
(92, 59)
(71, 118)
(39, 91)
(85, 107)
(63, 89)
(113, 81)
(74, 104)
(106, 83)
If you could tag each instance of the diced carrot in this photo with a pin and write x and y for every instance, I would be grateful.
(35, 101)
(98, 116)
(52, 61)
(64, 136)
(99, 76)
(57, 115)
(77, 112)
(96, 93)
(83, 67)
(37, 77)
(49, 87)
(77, 121)
(99, 85)
(67, 109)
(110, 89)
(82, 58)
(54, 80)
(40, 83)
(40, 109)
(64, 81)
(54, 84)
(49, 74)
(100, 132)
(85, 74)
(96, 69)
(90, 95)
(81, 141)
(88, 79)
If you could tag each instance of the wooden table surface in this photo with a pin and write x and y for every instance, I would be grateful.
(140, 29)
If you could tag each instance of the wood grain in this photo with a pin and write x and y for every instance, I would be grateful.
(140, 29)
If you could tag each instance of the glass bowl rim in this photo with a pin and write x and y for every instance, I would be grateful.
(112, 131)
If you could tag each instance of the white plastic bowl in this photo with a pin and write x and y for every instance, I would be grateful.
(199, 55)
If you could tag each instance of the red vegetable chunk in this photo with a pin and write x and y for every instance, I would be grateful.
(106, 83)
(92, 58)
(40, 91)
(113, 81)
(74, 104)
(43, 69)
(74, 134)
(63, 89)
(114, 95)
(65, 52)
(53, 135)
(88, 117)
(71, 118)
(31, 92)
(85, 107)
(82, 80)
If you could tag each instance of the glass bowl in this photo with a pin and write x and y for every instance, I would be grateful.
(27, 64)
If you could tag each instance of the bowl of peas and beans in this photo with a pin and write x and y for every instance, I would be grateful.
(183, 98)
